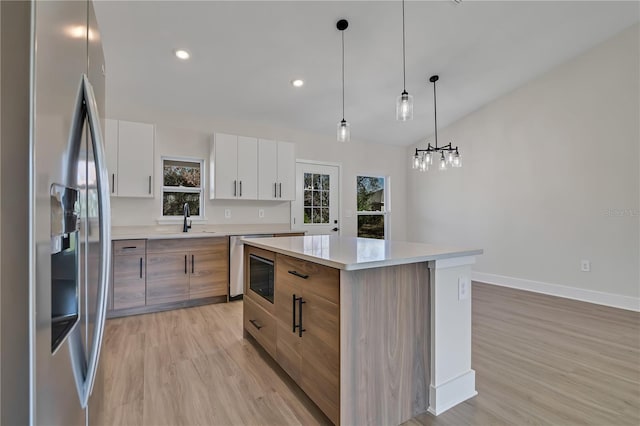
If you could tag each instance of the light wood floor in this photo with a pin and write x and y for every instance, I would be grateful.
(538, 360)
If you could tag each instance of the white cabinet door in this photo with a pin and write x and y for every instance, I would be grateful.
(224, 167)
(111, 153)
(286, 171)
(247, 168)
(135, 159)
(267, 169)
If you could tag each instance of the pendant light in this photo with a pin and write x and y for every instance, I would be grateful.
(404, 103)
(449, 155)
(344, 132)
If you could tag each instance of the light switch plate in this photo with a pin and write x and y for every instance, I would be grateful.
(260, 213)
(227, 213)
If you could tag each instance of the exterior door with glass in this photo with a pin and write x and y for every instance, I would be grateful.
(315, 209)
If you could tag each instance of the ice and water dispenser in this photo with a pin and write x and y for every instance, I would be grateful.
(65, 271)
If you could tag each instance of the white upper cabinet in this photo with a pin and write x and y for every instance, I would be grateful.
(111, 153)
(129, 150)
(276, 170)
(233, 167)
(267, 169)
(286, 171)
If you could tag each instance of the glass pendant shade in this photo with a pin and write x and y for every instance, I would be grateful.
(457, 161)
(415, 161)
(443, 163)
(404, 107)
(344, 134)
(450, 156)
(429, 158)
(424, 166)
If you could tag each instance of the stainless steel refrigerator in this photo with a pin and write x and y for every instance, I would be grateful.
(59, 304)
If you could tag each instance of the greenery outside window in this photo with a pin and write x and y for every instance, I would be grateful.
(182, 183)
(372, 204)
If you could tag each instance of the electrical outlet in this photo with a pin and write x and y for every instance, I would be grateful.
(227, 213)
(585, 265)
(463, 288)
(260, 213)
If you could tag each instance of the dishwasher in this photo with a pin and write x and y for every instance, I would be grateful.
(236, 264)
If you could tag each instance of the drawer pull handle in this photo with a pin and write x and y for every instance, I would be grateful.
(129, 247)
(255, 324)
(298, 274)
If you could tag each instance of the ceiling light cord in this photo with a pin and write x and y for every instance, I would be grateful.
(435, 114)
(404, 67)
(342, 75)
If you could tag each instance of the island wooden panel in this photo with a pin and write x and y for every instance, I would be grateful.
(289, 344)
(384, 344)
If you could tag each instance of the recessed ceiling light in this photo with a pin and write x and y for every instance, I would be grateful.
(297, 82)
(182, 54)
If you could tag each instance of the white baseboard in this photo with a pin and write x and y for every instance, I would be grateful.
(598, 297)
(451, 393)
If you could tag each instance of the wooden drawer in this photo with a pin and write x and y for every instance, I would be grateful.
(187, 244)
(319, 280)
(261, 325)
(126, 247)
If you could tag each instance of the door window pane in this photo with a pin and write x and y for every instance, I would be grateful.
(316, 195)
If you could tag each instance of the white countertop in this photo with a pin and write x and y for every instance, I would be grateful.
(197, 231)
(350, 253)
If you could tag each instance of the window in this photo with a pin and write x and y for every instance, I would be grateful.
(316, 198)
(372, 206)
(182, 183)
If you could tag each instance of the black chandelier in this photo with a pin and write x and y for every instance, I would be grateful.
(449, 155)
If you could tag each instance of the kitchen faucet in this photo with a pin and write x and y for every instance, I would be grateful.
(186, 213)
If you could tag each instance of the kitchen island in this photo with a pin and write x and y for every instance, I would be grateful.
(387, 324)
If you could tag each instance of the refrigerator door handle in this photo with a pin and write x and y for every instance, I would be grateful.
(85, 369)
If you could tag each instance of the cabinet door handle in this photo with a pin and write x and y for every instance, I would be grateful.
(255, 324)
(113, 183)
(140, 268)
(149, 184)
(298, 274)
(280, 189)
(300, 329)
(129, 247)
(185, 263)
(235, 188)
(193, 263)
(241, 188)
(293, 310)
(275, 190)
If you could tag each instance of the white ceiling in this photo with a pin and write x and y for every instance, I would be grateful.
(244, 55)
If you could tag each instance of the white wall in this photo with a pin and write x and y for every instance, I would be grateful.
(188, 136)
(550, 176)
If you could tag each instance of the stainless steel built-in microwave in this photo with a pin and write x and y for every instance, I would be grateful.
(261, 276)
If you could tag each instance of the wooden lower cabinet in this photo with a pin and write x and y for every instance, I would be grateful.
(167, 278)
(184, 269)
(128, 274)
(308, 295)
(209, 273)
